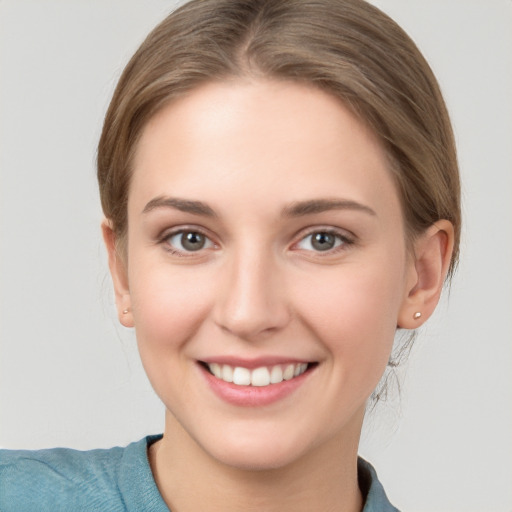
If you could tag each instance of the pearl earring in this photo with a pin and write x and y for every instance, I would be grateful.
(417, 315)
(125, 311)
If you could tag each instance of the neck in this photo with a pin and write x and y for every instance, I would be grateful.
(190, 480)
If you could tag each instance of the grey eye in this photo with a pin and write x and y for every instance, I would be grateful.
(323, 241)
(320, 241)
(189, 241)
(192, 241)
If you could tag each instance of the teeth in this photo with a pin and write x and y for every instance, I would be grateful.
(289, 372)
(227, 373)
(259, 377)
(276, 375)
(299, 369)
(216, 370)
(241, 376)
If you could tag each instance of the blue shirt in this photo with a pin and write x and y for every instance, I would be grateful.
(113, 480)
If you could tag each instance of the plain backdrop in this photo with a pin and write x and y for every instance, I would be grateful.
(70, 375)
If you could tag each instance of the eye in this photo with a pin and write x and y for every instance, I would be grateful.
(188, 241)
(322, 241)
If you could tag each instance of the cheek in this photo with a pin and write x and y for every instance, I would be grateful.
(354, 311)
(168, 306)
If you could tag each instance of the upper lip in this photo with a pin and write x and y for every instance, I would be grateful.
(252, 363)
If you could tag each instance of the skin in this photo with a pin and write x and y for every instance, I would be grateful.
(251, 151)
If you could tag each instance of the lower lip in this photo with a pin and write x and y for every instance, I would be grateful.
(253, 396)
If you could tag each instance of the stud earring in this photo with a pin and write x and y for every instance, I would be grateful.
(125, 311)
(417, 315)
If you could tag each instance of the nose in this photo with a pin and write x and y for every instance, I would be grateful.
(252, 302)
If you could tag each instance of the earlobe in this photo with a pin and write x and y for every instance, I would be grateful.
(431, 261)
(119, 275)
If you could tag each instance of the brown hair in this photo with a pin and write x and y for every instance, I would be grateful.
(345, 47)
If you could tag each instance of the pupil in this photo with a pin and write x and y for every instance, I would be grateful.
(192, 241)
(323, 241)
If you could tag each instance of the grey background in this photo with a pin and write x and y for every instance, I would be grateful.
(70, 375)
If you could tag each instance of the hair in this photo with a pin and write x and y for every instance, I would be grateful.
(348, 48)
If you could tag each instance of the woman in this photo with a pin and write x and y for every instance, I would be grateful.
(281, 194)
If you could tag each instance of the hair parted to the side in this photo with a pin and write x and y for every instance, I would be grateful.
(347, 48)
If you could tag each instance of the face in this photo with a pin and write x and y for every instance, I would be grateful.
(266, 269)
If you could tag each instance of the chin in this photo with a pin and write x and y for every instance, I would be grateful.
(260, 451)
(256, 459)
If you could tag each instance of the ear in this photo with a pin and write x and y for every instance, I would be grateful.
(429, 266)
(119, 275)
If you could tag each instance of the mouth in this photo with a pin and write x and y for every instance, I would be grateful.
(262, 376)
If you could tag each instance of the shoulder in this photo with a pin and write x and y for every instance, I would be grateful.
(59, 478)
(66, 479)
(372, 490)
(59, 464)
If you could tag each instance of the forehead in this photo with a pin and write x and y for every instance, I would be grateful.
(279, 140)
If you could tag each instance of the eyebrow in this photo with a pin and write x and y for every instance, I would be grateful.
(295, 209)
(300, 208)
(184, 205)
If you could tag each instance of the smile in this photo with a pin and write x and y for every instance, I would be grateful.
(258, 377)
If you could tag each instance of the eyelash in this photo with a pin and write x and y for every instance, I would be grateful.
(343, 241)
(164, 240)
